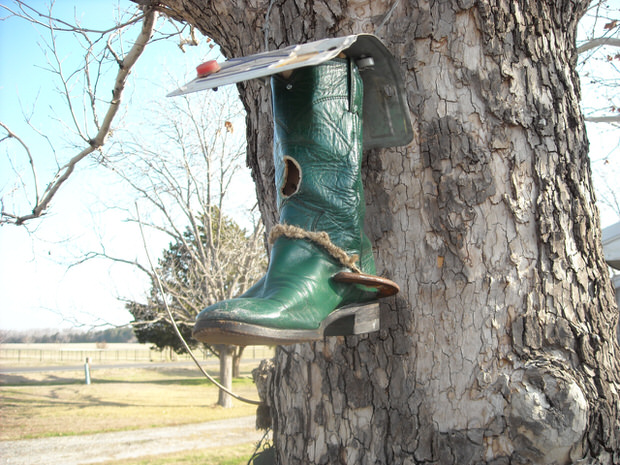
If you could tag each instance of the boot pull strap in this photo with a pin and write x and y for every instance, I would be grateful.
(354, 81)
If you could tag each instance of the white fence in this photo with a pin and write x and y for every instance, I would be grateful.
(61, 353)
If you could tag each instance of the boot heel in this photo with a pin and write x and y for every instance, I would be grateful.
(353, 319)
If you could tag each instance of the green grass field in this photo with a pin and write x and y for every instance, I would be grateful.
(59, 403)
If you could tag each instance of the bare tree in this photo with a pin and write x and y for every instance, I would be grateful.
(90, 114)
(185, 170)
(190, 275)
(599, 60)
(599, 67)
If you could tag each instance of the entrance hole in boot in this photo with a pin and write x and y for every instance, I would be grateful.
(292, 177)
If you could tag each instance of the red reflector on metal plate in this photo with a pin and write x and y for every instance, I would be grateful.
(207, 68)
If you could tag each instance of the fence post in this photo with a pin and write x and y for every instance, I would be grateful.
(87, 370)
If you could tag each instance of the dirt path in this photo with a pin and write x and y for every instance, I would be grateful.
(97, 448)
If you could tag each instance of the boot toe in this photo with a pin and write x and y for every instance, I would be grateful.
(253, 321)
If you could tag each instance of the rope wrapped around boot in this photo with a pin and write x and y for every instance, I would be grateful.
(321, 238)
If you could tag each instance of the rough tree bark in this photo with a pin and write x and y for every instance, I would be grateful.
(499, 348)
(226, 374)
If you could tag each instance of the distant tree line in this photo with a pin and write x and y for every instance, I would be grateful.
(109, 335)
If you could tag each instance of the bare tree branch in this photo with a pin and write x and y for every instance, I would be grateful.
(591, 44)
(12, 135)
(95, 255)
(97, 142)
(31, 14)
(603, 119)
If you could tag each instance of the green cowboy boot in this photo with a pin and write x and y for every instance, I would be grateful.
(320, 279)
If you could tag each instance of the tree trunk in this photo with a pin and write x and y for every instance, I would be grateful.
(500, 347)
(236, 362)
(226, 374)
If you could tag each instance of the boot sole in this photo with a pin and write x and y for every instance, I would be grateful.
(345, 321)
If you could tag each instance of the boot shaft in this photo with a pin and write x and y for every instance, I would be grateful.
(318, 151)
